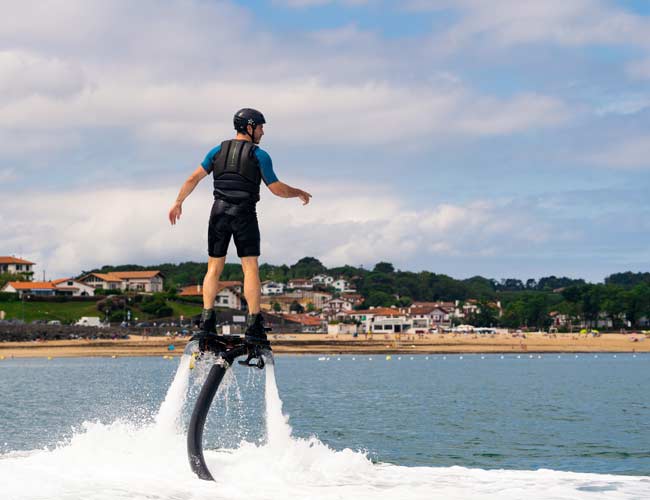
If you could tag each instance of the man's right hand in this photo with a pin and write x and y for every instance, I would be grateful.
(175, 212)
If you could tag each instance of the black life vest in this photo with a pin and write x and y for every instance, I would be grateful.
(236, 172)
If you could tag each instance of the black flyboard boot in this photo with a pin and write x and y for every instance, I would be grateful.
(256, 341)
(256, 331)
(208, 328)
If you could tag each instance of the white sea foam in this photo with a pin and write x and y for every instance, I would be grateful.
(126, 460)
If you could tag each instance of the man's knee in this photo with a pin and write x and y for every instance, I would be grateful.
(249, 264)
(215, 265)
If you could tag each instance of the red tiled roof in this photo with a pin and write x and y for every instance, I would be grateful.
(303, 319)
(14, 260)
(197, 290)
(62, 280)
(378, 311)
(134, 274)
(102, 276)
(32, 285)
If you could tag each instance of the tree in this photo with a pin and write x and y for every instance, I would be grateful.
(296, 307)
(384, 267)
(379, 299)
(637, 303)
(306, 268)
(7, 277)
(487, 315)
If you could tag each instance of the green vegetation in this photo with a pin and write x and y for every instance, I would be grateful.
(6, 277)
(624, 298)
(115, 310)
(66, 312)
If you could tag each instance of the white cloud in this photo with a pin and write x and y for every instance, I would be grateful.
(639, 69)
(304, 110)
(629, 153)
(156, 74)
(509, 22)
(7, 175)
(67, 232)
(318, 3)
(23, 74)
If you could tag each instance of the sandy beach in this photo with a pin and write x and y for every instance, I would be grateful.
(342, 344)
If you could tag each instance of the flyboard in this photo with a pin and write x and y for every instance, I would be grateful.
(225, 350)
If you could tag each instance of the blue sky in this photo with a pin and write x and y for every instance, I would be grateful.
(507, 138)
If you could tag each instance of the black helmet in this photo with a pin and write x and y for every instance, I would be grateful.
(247, 116)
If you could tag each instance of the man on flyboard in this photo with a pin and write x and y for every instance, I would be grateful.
(238, 166)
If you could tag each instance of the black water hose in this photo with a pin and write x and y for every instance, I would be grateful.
(227, 349)
(197, 422)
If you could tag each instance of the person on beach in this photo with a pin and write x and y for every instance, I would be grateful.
(238, 166)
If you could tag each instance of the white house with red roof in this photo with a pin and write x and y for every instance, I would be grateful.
(64, 286)
(333, 306)
(29, 288)
(127, 281)
(381, 319)
(432, 316)
(228, 294)
(309, 324)
(14, 265)
(73, 288)
(272, 288)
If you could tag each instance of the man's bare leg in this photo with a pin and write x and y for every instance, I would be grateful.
(211, 280)
(255, 330)
(210, 284)
(252, 287)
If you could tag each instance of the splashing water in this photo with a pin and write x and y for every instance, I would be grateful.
(168, 417)
(278, 431)
(129, 460)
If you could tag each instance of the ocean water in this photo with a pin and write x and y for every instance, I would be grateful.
(449, 427)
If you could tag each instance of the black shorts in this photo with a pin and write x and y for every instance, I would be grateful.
(242, 227)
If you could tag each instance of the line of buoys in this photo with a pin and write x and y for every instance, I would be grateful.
(389, 357)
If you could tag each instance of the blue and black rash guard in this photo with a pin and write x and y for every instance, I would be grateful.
(266, 165)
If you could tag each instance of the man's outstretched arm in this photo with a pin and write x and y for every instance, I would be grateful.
(186, 189)
(283, 190)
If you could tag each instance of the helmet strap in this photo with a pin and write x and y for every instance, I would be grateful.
(253, 127)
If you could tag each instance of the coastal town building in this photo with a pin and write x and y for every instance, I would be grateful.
(356, 298)
(73, 288)
(66, 287)
(229, 294)
(343, 285)
(307, 299)
(381, 320)
(342, 328)
(333, 306)
(309, 324)
(428, 317)
(126, 281)
(322, 279)
(272, 288)
(14, 265)
(29, 288)
(304, 284)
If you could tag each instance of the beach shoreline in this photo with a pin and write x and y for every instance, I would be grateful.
(342, 344)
